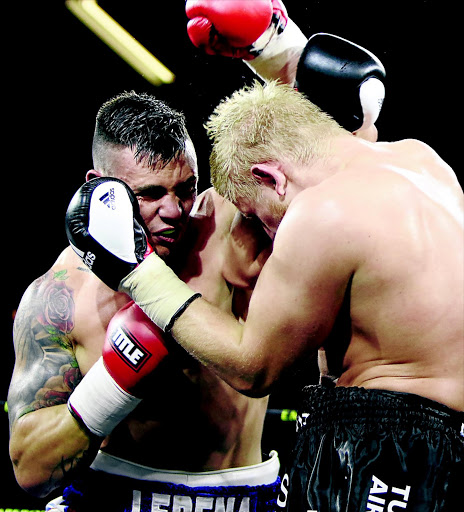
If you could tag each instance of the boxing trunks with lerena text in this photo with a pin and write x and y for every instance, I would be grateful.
(117, 485)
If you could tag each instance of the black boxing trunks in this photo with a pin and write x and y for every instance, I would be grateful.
(116, 485)
(361, 450)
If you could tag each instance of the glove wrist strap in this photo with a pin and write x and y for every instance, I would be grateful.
(99, 402)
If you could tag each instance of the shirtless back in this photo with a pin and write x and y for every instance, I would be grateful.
(376, 224)
(390, 238)
(406, 304)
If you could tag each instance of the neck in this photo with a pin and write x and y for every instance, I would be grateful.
(339, 154)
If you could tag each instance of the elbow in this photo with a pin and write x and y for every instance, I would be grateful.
(256, 385)
(29, 480)
(30, 474)
(35, 491)
(255, 392)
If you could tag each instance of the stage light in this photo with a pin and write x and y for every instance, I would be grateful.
(120, 41)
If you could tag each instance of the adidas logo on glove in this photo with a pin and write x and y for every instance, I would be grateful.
(108, 199)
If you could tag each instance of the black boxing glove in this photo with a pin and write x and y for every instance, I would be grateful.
(106, 230)
(343, 79)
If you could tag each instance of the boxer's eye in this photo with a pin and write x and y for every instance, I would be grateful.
(151, 193)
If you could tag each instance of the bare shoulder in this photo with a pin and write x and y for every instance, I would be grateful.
(422, 158)
(242, 242)
(335, 220)
(46, 368)
(58, 333)
(69, 267)
(210, 204)
(407, 146)
(71, 296)
(420, 152)
(54, 289)
(327, 204)
(210, 222)
(47, 309)
(94, 306)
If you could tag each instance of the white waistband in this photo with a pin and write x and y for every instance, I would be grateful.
(259, 474)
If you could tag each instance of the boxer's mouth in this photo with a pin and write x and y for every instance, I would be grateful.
(167, 235)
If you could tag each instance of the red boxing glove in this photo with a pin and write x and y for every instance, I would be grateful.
(232, 27)
(133, 348)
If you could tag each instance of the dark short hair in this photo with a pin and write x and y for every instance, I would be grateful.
(148, 126)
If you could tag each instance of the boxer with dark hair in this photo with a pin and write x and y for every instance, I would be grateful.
(96, 382)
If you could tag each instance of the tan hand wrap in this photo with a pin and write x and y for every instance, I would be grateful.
(157, 290)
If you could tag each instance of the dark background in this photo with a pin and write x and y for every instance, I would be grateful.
(57, 73)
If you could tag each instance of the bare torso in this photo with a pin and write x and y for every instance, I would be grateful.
(192, 421)
(407, 292)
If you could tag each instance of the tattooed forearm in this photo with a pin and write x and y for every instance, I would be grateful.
(70, 464)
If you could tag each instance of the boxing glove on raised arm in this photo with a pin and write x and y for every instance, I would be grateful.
(343, 79)
(105, 229)
(133, 348)
(234, 28)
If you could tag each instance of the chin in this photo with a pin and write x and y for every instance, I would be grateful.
(162, 251)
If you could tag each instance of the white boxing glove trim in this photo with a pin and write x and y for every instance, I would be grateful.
(274, 42)
(371, 96)
(99, 402)
(278, 53)
(111, 220)
(157, 290)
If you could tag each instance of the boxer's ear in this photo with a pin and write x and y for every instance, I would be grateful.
(272, 176)
(93, 173)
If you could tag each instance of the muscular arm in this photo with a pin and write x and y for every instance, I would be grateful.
(293, 308)
(45, 440)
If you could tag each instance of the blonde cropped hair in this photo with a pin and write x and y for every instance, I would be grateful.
(262, 124)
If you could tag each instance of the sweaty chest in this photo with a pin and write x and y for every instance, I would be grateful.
(202, 270)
